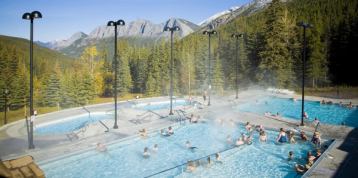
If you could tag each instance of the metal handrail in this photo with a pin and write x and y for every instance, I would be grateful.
(190, 160)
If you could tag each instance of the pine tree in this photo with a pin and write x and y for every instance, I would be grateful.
(276, 63)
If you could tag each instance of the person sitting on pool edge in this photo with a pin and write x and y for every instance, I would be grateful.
(101, 147)
(146, 153)
(282, 137)
(143, 133)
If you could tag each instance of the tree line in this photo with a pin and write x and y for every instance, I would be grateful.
(269, 55)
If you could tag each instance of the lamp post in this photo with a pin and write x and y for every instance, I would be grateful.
(237, 36)
(115, 24)
(172, 30)
(6, 93)
(304, 26)
(209, 33)
(31, 16)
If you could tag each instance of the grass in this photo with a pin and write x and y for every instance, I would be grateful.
(332, 92)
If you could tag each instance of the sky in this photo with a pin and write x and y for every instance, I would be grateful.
(62, 18)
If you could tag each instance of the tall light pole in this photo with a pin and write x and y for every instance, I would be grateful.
(304, 26)
(115, 24)
(31, 16)
(237, 36)
(172, 30)
(6, 93)
(209, 33)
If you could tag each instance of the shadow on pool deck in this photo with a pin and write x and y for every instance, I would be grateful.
(349, 166)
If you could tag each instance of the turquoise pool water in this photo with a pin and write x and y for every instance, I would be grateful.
(69, 124)
(329, 114)
(125, 159)
(160, 105)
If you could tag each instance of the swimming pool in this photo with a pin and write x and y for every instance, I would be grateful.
(69, 124)
(125, 159)
(160, 105)
(329, 114)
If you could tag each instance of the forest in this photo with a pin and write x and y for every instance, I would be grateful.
(270, 54)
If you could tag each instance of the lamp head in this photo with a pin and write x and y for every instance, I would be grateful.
(36, 14)
(166, 28)
(26, 16)
(205, 32)
(176, 28)
(111, 23)
(214, 32)
(304, 24)
(121, 22)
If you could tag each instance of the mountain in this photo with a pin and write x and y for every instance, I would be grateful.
(138, 28)
(226, 16)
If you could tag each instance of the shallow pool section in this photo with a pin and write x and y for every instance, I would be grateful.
(329, 114)
(69, 124)
(160, 105)
(124, 159)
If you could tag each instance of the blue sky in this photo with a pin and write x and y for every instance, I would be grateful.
(62, 18)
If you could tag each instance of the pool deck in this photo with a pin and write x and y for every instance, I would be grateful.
(47, 147)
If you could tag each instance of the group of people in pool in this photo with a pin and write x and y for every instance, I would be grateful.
(348, 105)
(143, 133)
(192, 165)
(310, 159)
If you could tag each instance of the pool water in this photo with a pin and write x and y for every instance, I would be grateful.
(124, 159)
(69, 124)
(329, 114)
(160, 105)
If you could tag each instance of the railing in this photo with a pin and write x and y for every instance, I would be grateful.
(157, 114)
(89, 112)
(104, 125)
(222, 151)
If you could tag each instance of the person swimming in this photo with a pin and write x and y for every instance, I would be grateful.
(229, 140)
(101, 147)
(191, 167)
(303, 136)
(316, 139)
(282, 137)
(263, 136)
(248, 127)
(290, 156)
(239, 142)
(188, 146)
(155, 148)
(218, 158)
(305, 115)
(146, 153)
(163, 133)
(170, 130)
(291, 137)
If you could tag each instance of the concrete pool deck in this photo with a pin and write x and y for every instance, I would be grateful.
(50, 147)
